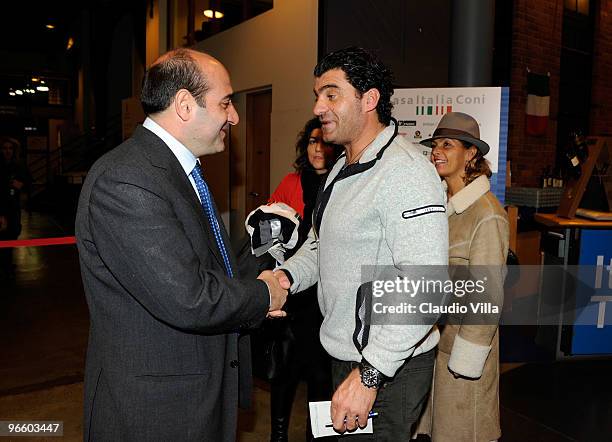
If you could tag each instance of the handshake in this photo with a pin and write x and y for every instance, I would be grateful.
(278, 286)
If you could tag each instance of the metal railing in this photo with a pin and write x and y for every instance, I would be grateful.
(78, 155)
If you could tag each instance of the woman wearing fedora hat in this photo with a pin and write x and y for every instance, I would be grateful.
(464, 403)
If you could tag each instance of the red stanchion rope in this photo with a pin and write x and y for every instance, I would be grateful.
(38, 242)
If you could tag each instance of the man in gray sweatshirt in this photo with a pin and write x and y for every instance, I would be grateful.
(382, 205)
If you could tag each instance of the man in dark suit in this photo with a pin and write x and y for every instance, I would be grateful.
(165, 360)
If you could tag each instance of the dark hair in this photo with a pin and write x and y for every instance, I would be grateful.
(301, 146)
(16, 145)
(363, 71)
(179, 70)
(477, 166)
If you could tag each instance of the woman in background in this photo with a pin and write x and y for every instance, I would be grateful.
(14, 178)
(305, 357)
(464, 403)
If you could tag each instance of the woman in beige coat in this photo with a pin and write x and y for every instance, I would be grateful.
(464, 403)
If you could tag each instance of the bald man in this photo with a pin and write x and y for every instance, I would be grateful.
(166, 360)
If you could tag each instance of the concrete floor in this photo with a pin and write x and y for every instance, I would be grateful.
(64, 403)
(43, 336)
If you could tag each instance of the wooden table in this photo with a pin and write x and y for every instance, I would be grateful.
(552, 220)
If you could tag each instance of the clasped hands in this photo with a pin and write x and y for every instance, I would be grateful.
(278, 285)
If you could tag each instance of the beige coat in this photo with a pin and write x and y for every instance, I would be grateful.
(466, 409)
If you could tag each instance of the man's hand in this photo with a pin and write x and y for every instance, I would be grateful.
(282, 279)
(16, 184)
(278, 294)
(353, 401)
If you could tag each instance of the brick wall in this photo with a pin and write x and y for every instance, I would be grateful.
(601, 96)
(536, 45)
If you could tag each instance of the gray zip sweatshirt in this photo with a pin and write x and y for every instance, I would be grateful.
(378, 217)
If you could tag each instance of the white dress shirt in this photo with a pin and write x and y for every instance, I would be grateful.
(184, 156)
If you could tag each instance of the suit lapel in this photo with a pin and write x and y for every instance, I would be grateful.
(162, 157)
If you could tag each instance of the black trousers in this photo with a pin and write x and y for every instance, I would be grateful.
(400, 401)
(306, 360)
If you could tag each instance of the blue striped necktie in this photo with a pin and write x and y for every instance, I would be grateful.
(209, 210)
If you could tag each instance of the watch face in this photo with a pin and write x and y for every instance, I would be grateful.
(369, 377)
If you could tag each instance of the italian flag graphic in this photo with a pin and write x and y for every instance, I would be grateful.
(431, 110)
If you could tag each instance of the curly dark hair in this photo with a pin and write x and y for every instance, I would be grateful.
(364, 71)
(477, 166)
(301, 147)
(179, 70)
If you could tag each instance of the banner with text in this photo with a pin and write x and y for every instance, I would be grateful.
(419, 111)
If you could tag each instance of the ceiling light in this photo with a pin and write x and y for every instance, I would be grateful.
(209, 13)
(70, 43)
(42, 88)
(42, 81)
(19, 92)
(49, 26)
(35, 79)
(12, 94)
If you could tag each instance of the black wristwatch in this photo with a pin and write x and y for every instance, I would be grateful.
(370, 376)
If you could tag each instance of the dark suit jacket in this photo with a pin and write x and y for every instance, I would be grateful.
(162, 360)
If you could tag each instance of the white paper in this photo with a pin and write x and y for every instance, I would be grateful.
(320, 416)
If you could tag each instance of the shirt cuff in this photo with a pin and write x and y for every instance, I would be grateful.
(289, 276)
(269, 294)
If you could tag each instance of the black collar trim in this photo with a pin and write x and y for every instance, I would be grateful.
(347, 171)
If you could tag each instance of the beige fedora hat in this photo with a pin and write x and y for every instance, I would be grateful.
(459, 126)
